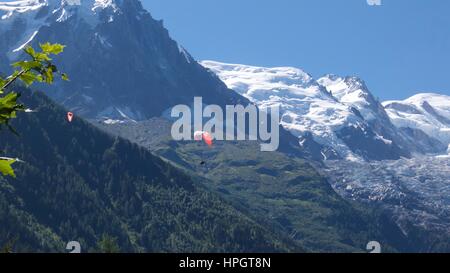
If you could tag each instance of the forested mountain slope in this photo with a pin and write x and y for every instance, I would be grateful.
(78, 183)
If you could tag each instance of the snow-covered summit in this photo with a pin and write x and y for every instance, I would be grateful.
(428, 112)
(21, 21)
(260, 82)
(306, 104)
(10, 9)
(351, 91)
(33, 14)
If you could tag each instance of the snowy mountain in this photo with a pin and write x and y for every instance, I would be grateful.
(123, 64)
(353, 91)
(118, 57)
(23, 19)
(423, 116)
(339, 112)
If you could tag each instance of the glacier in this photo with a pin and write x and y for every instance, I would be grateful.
(416, 191)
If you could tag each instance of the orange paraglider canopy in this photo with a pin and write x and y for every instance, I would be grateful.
(205, 136)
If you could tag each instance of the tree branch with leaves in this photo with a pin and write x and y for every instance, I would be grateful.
(38, 68)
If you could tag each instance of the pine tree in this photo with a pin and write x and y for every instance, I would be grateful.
(108, 244)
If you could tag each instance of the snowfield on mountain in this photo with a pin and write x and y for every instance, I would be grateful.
(339, 112)
(427, 112)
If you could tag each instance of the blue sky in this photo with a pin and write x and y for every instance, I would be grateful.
(399, 48)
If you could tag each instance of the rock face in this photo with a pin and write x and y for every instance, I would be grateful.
(122, 63)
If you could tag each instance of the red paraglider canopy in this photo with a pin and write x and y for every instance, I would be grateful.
(70, 116)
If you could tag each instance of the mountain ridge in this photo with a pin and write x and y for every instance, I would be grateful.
(339, 111)
(125, 70)
(309, 107)
(158, 66)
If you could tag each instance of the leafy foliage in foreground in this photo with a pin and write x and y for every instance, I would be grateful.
(39, 68)
(79, 183)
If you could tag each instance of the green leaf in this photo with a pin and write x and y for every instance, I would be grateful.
(9, 106)
(28, 65)
(2, 83)
(30, 51)
(5, 166)
(64, 77)
(52, 48)
(48, 75)
(42, 57)
(29, 77)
